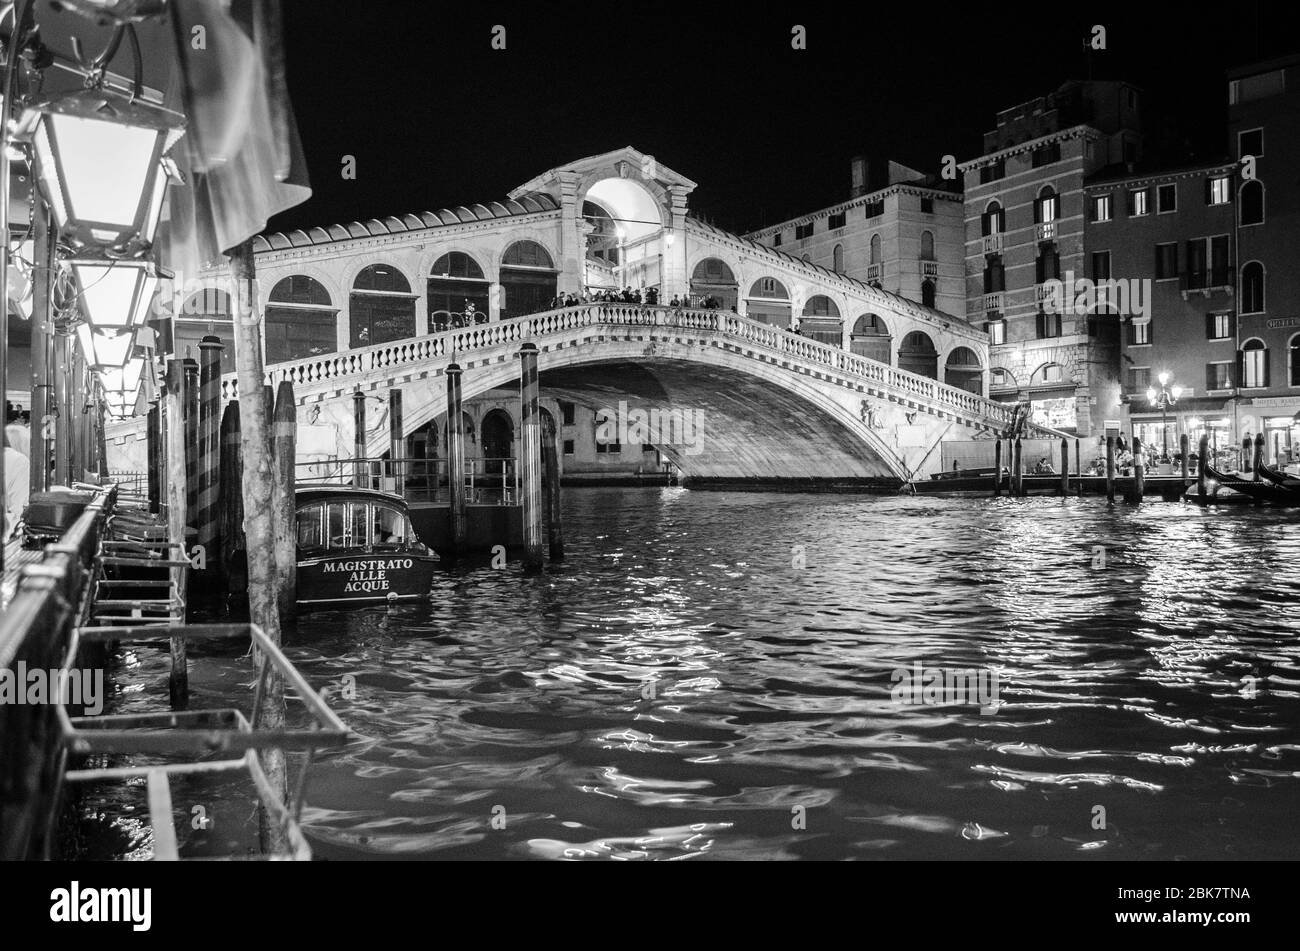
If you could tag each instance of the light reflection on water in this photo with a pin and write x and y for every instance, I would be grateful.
(676, 688)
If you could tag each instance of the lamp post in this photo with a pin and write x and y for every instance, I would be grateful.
(1164, 398)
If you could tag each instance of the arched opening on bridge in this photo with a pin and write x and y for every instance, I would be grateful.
(870, 338)
(467, 427)
(301, 320)
(602, 247)
(633, 258)
(769, 303)
(204, 313)
(457, 286)
(821, 321)
(498, 441)
(381, 307)
(963, 370)
(528, 279)
(712, 278)
(422, 451)
(916, 354)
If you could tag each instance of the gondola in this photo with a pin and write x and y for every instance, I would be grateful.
(1281, 479)
(1259, 490)
(357, 546)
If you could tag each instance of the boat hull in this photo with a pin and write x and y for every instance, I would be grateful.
(365, 578)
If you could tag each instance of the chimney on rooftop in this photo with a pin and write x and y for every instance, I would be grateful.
(859, 169)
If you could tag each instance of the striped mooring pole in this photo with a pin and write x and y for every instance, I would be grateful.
(209, 446)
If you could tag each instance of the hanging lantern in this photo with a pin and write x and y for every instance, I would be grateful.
(105, 350)
(100, 160)
(115, 295)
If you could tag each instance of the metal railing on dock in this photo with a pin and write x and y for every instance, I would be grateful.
(201, 733)
(487, 481)
(50, 600)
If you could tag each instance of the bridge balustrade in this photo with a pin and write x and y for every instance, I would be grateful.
(482, 337)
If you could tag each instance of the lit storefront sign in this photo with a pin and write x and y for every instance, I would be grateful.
(1061, 413)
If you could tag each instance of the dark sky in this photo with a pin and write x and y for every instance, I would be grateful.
(436, 118)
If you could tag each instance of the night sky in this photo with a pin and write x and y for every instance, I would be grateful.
(436, 118)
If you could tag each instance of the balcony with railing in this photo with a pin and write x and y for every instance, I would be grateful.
(875, 272)
(1221, 279)
(992, 244)
(1046, 231)
(929, 269)
(993, 302)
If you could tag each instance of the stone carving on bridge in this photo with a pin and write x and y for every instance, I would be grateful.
(869, 416)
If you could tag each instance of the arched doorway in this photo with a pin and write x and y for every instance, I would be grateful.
(821, 321)
(528, 279)
(498, 435)
(769, 303)
(916, 354)
(457, 286)
(870, 338)
(713, 285)
(963, 370)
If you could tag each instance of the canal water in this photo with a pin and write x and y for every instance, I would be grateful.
(713, 675)
(717, 675)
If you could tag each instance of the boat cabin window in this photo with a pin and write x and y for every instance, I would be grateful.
(310, 524)
(390, 527)
(352, 525)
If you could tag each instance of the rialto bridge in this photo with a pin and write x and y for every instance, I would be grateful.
(796, 371)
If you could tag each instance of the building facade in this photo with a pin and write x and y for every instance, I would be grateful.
(1025, 228)
(907, 238)
(1264, 136)
(1164, 241)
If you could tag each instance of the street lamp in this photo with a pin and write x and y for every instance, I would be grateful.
(1165, 397)
(99, 156)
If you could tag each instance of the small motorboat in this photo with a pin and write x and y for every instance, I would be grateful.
(357, 546)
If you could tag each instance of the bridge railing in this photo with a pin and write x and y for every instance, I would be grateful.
(461, 342)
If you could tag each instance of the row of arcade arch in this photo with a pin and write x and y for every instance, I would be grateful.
(302, 319)
(714, 285)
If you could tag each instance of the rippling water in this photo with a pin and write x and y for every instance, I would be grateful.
(512, 717)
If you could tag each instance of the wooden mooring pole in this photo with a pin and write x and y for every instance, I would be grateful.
(1017, 473)
(1065, 466)
(230, 495)
(361, 479)
(1139, 471)
(209, 463)
(1078, 465)
(152, 440)
(190, 410)
(284, 433)
(1183, 446)
(551, 461)
(396, 442)
(997, 467)
(260, 487)
(1201, 463)
(173, 399)
(530, 448)
(1110, 468)
(456, 460)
